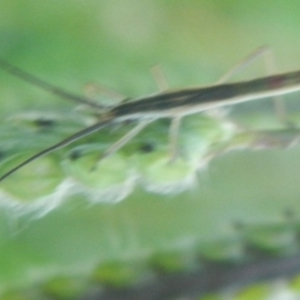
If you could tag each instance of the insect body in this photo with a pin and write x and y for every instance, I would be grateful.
(170, 104)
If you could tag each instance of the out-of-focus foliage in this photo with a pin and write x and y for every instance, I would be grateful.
(114, 43)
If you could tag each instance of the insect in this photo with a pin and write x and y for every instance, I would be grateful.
(169, 104)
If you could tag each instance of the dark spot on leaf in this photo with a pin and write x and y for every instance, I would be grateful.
(147, 147)
(289, 213)
(44, 123)
(238, 225)
(75, 154)
(2, 154)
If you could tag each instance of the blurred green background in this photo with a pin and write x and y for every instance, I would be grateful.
(116, 43)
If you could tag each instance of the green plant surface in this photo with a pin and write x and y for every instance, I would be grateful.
(66, 231)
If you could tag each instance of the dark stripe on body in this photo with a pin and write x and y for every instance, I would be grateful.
(217, 93)
(169, 101)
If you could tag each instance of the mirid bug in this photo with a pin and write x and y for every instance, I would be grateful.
(169, 104)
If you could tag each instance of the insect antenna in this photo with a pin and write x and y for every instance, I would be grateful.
(25, 76)
(78, 135)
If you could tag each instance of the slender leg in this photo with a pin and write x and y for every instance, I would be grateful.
(173, 136)
(279, 105)
(268, 57)
(92, 90)
(162, 84)
(262, 51)
(123, 141)
(175, 122)
(159, 78)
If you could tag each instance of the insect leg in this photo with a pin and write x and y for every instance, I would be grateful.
(123, 141)
(268, 57)
(264, 52)
(160, 78)
(175, 122)
(173, 136)
(92, 90)
(260, 52)
(279, 106)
